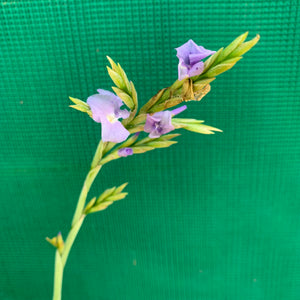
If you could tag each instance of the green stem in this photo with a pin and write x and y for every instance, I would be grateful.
(98, 154)
(70, 240)
(78, 218)
(83, 194)
(58, 276)
(61, 259)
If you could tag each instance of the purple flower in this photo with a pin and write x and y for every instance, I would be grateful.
(105, 108)
(160, 122)
(125, 152)
(190, 56)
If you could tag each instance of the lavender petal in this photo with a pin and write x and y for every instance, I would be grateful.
(123, 152)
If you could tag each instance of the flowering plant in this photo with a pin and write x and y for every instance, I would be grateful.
(122, 128)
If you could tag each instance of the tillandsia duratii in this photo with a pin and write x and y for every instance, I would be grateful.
(120, 138)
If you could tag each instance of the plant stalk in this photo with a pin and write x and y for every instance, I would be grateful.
(61, 256)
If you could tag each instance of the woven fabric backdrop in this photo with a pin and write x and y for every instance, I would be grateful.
(214, 217)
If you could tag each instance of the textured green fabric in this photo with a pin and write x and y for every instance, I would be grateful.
(213, 217)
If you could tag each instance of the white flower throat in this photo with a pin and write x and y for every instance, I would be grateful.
(112, 118)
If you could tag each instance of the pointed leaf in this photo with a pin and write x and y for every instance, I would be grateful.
(183, 122)
(152, 101)
(100, 207)
(201, 128)
(209, 62)
(129, 141)
(134, 94)
(232, 46)
(221, 68)
(124, 97)
(177, 84)
(120, 188)
(141, 149)
(167, 137)
(245, 47)
(105, 194)
(116, 197)
(113, 64)
(140, 118)
(89, 205)
(116, 78)
(125, 78)
(167, 104)
(80, 108)
(77, 101)
(52, 241)
(161, 144)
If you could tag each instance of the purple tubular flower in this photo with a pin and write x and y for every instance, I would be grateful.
(190, 56)
(161, 122)
(105, 108)
(125, 152)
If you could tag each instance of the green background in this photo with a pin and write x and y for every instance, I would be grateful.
(214, 217)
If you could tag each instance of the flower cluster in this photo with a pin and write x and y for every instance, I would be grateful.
(106, 109)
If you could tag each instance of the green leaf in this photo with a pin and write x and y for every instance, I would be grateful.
(135, 129)
(116, 78)
(177, 85)
(223, 67)
(218, 70)
(116, 197)
(141, 149)
(167, 104)
(209, 62)
(89, 205)
(166, 95)
(201, 128)
(77, 101)
(129, 141)
(194, 125)
(245, 47)
(183, 122)
(134, 94)
(152, 101)
(139, 119)
(125, 97)
(120, 188)
(105, 194)
(167, 137)
(161, 144)
(100, 207)
(232, 46)
(232, 60)
(80, 107)
(113, 64)
(106, 198)
(143, 141)
(112, 156)
(125, 79)
(52, 241)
